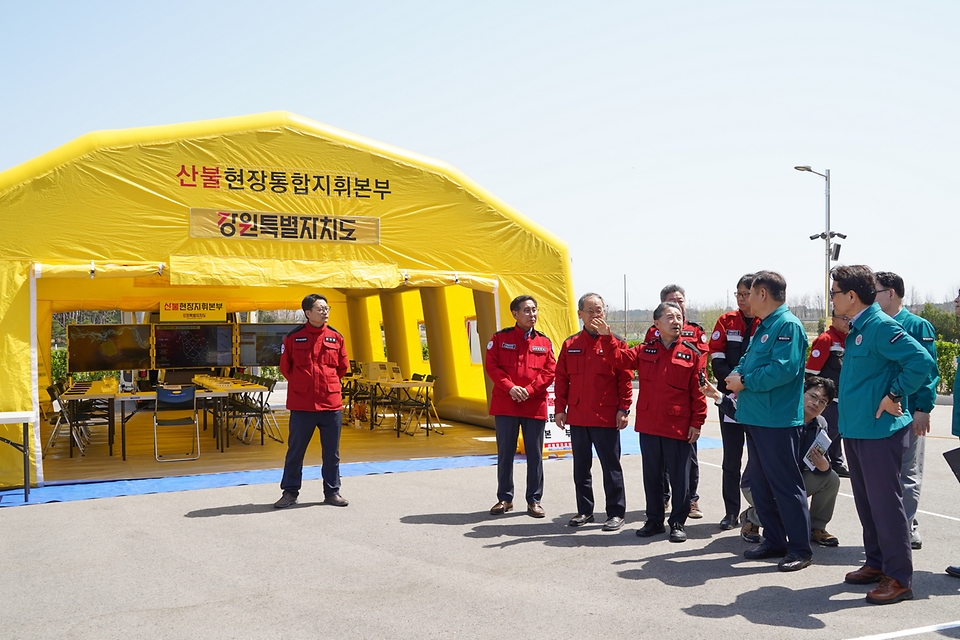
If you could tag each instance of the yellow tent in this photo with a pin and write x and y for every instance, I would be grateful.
(256, 212)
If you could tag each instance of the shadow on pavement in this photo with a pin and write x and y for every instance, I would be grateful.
(245, 509)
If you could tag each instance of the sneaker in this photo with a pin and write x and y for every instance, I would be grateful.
(915, 541)
(695, 512)
(824, 538)
(286, 500)
(336, 500)
(613, 524)
(750, 532)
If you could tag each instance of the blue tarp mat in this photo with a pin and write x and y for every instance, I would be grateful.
(110, 489)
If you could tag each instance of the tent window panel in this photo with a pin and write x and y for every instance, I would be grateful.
(476, 355)
(424, 347)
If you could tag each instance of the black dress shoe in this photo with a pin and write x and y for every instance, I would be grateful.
(793, 562)
(728, 522)
(650, 529)
(954, 571)
(580, 519)
(765, 550)
(841, 470)
(677, 534)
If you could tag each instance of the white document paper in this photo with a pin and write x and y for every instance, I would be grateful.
(821, 443)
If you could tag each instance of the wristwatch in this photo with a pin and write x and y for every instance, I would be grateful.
(893, 396)
(625, 412)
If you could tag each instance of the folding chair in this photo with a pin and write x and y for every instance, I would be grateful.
(177, 404)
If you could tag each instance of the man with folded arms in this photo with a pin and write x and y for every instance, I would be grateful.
(769, 387)
(882, 364)
(594, 400)
(671, 411)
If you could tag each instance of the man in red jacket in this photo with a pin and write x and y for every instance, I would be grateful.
(593, 399)
(313, 360)
(671, 410)
(729, 341)
(691, 332)
(520, 363)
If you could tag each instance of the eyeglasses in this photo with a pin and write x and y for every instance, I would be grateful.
(833, 293)
(321, 309)
(882, 290)
(745, 294)
(818, 400)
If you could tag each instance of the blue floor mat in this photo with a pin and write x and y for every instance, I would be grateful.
(629, 441)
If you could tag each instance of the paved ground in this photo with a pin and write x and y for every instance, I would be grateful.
(415, 555)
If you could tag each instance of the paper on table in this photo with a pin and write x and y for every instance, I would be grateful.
(821, 443)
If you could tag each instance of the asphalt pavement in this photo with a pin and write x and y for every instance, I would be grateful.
(416, 555)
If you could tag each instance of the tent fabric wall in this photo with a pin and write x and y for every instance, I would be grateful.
(127, 219)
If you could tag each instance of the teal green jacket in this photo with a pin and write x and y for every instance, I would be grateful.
(772, 373)
(922, 331)
(879, 357)
(956, 402)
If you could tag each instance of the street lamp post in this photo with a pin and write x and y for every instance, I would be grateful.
(831, 251)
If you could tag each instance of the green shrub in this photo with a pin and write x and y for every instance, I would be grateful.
(947, 353)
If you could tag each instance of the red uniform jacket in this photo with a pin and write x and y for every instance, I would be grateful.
(691, 332)
(826, 355)
(313, 361)
(729, 342)
(512, 360)
(670, 400)
(588, 389)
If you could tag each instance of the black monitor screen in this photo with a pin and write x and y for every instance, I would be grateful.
(108, 347)
(260, 344)
(197, 345)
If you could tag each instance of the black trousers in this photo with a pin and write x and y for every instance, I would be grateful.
(733, 436)
(302, 424)
(694, 480)
(878, 494)
(606, 440)
(831, 413)
(508, 429)
(672, 457)
(777, 486)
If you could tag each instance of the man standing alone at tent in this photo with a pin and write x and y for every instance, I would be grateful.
(520, 363)
(313, 360)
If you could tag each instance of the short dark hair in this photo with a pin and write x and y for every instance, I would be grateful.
(310, 300)
(671, 288)
(828, 386)
(858, 278)
(519, 300)
(659, 311)
(746, 280)
(587, 296)
(773, 282)
(890, 280)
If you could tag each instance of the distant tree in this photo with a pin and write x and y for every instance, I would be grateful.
(945, 324)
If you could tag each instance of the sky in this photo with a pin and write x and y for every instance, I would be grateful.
(657, 139)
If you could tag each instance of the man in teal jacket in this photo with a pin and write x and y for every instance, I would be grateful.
(955, 570)
(890, 292)
(769, 387)
(882, 365)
